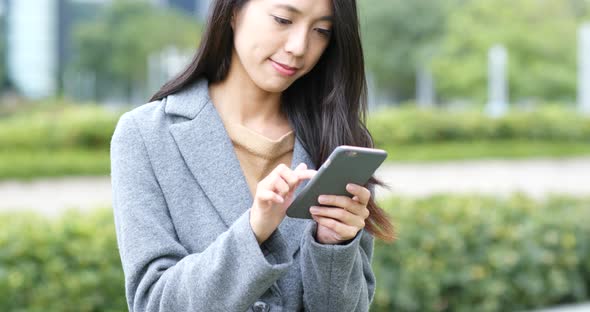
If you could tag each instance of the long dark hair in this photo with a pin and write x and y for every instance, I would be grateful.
(327, 107)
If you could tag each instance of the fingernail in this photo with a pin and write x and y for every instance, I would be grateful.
(351, 186)
(322, 198)
(313, 209)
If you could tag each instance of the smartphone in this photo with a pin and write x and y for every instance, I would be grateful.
(346, 164)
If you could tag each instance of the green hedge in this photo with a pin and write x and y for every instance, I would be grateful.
(57, 139)
(484, 254)
(91, 126)
(32, 164)
(414, 126)
(453, 254)
(67, 264)
(59, 127)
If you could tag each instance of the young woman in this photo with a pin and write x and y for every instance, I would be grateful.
(202, 175)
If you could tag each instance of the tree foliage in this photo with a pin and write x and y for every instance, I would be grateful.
(540, 37)
(398, 36)
(116, 45)
(453, 37)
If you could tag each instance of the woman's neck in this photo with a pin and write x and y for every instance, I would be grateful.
(239, 99)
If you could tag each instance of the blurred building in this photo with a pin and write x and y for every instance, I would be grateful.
(37, 42)
(195, 7)
(33, 45)
(38, 34)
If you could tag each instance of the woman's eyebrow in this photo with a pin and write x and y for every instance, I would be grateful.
(293, 9)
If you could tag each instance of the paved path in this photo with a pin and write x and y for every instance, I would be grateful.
(567, 308)
(51, 196)
(536, 178)
(499, 177)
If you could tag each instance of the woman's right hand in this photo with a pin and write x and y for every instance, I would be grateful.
(273, 196)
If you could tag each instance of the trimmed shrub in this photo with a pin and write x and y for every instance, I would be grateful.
(484, 254)
(91, 126)
(454, 253)
(64, 127)
(67, 264)
(391, 127)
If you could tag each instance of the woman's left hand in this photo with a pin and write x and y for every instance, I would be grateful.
(337, 226)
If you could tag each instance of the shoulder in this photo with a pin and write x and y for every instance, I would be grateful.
(150, 121)
(148, 113)
(182, 105)
(127, 136)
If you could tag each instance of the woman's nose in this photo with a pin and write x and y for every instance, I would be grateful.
(297, 42)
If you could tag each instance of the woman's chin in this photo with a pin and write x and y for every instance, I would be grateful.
(275, 85)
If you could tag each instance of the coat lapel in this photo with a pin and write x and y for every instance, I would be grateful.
(209, 153)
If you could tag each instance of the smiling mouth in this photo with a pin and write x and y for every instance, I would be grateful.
(284, 69)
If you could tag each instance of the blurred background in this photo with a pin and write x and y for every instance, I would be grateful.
(482, 105)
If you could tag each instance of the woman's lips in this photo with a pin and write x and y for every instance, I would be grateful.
(283, 69)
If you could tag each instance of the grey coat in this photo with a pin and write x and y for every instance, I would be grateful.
(181, 209)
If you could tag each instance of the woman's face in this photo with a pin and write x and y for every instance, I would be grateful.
(278, 41)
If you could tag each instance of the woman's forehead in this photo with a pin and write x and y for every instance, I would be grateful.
(316, 8)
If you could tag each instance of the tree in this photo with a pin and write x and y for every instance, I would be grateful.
(398, 37)
(115, 46)
(540, 37)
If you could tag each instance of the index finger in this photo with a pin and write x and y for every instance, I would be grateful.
(306, 174)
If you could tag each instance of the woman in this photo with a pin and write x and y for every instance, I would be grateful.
(202, 175)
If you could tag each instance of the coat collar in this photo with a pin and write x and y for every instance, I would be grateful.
(209, 153)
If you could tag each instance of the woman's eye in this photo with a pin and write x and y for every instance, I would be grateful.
(324, 32)
(282, 20)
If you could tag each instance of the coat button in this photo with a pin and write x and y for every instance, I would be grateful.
(261, 306)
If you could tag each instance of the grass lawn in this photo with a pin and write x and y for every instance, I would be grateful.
(50, 163)
(448, 151)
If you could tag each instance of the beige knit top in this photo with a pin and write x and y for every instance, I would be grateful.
(258, 154)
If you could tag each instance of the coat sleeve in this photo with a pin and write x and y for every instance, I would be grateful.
(160, 274)
(337, 277)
